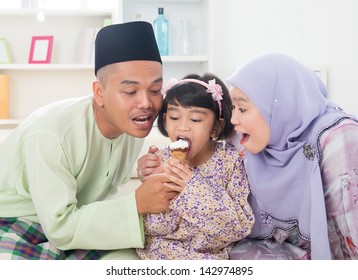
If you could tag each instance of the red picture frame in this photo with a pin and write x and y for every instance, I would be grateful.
(41, 49)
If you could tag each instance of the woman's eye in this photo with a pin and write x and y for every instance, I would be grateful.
(241, 110)
(196, 120)
(173, 118)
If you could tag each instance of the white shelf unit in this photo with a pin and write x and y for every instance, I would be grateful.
(58, 66)
(18, 26)
(34, 85)
(197, 11)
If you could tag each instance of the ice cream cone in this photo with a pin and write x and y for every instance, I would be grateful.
(178, 150)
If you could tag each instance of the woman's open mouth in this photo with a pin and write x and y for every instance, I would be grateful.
(244, 138)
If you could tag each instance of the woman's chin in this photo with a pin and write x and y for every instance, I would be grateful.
(253, 150)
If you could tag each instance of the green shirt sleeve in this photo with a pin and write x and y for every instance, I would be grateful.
(54, 190)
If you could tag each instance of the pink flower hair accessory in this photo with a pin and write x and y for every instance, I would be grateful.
(211, 87)
(168, 85)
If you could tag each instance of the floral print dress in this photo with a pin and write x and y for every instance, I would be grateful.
(207, 217)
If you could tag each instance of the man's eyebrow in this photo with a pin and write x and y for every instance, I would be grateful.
(159, 80)
(130, 82)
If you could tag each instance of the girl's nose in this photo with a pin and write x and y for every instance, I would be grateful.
(183, 125)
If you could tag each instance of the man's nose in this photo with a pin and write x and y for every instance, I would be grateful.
(144, 101)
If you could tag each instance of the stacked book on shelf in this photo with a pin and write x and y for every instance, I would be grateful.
(4, 96)
(85, 45)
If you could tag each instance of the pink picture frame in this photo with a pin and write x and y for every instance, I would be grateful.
(41, 49)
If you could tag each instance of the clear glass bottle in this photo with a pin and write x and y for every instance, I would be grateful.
(186, 44)
(138, 17)
(32, 4)
(161, 30)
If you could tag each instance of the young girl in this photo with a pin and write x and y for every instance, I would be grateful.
(212, 212)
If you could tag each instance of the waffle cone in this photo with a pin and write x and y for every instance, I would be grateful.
(179, 154)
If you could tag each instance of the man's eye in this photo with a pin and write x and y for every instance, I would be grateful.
(130, 92)
(155, 92)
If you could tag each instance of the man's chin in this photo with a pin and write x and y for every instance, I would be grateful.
(140, 133)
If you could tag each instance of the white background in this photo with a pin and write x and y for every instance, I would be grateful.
(320, 33)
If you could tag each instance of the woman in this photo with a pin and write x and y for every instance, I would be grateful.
(301, 156)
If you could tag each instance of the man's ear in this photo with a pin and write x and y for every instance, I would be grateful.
(98, 90)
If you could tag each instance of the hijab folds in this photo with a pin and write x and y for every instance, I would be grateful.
(285, 177)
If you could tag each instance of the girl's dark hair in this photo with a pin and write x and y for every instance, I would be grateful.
(195, 95)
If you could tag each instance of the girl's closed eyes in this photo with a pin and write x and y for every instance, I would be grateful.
(194, 113)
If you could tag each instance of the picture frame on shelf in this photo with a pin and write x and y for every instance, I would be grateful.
(4, 51)
(41, 49)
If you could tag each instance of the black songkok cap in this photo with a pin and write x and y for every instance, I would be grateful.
(125, 42)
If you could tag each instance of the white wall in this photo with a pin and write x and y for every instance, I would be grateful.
(321, 33)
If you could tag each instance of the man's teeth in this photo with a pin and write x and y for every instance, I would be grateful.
(141, 120)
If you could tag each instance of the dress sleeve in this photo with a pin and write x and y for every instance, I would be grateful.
(106, 225)
(339, 169)
(216, 208)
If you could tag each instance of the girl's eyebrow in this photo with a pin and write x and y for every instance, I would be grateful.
(171, 108)
(198, 111)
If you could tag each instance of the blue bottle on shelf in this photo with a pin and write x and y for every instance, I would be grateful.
(161, 30)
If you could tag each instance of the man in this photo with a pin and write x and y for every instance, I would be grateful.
(60, 165)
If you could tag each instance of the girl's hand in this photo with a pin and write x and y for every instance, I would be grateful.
(149, 164)
(179, 174)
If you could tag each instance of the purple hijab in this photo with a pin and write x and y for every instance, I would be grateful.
(285, 179)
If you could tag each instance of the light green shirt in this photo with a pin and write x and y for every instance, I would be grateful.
(57, 169)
